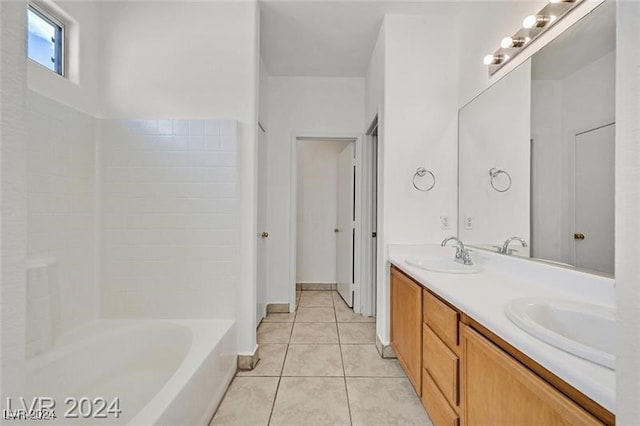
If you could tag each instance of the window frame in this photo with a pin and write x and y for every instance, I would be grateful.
(60, 48)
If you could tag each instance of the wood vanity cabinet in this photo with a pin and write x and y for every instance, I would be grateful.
(468, 376)
(498, 390)
(406, 325)
(440, 361)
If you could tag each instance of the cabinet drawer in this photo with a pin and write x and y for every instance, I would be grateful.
(441, 363)
(437, 406)
(442, 319)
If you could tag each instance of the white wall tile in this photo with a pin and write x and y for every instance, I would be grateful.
(61, 166)
(170, 231)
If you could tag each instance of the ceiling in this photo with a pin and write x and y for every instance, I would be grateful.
(330, 38)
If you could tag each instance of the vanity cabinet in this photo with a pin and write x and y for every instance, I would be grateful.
(406, 325)
(440, 360)
(499, 390)
(468, 376)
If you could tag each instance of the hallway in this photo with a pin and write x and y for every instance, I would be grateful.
(320, 366)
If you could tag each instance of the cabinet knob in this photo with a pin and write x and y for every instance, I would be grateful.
(578, 236)
(264, 235)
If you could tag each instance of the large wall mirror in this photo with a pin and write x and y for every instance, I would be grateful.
(536, 153)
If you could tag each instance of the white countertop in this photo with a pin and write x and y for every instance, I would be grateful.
(483, 296)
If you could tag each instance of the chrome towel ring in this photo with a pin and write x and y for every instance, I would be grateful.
(422, 172)
(495, 172)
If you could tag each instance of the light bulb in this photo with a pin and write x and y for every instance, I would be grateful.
(509, 42)
(529, 21)
(495, 59)
(537, 21)
(506, 42)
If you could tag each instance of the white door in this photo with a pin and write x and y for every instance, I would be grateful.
(345, 219)
(594, 199)
(262, 232)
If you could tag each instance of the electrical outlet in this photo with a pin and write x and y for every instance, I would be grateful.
(444, 222)
(468, 223)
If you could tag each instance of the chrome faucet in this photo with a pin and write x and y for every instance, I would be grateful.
(462, 254)
(505, 247)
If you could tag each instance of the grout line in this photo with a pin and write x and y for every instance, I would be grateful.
(344, 373)
(275, 396)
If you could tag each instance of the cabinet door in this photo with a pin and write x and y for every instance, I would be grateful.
(498, 390)
(406, 326)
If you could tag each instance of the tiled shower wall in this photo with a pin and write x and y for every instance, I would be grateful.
(169, 218)
(61, 214)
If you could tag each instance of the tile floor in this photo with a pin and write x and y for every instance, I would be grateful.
(320, 366)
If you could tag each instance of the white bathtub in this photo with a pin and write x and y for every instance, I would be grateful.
(162, 372)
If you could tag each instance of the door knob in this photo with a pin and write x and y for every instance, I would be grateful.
(265, 235)
(336, 230)
(578, 236)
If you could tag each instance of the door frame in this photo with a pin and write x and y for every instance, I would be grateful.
(356, 138)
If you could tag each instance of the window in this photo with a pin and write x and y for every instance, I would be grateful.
(45, 39)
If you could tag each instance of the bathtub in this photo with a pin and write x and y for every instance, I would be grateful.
(159, 372)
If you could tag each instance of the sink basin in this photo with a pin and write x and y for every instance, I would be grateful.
(440, 264)
(581, 329)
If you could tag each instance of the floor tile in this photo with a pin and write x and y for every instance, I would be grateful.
(357, 332)
(274, 332)
(256, 393)
(384, 401)
(271, 361)
(279, 317)
(316, 298)
(346, 314)
(364, 360)
(313, 360)
(314, 332)
(315, 314)
(311, 401)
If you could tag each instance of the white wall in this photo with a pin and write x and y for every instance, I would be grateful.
(80, 88)
(302, 106)
(61, 211)
(374, 79)
(420, 129)
(317, 201)
(170, 231)
(13, 198)
(494, 133)
(627, 213)
(193, 60)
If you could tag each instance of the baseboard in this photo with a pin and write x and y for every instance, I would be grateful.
(385, 351)
(317, 286)
(249, 362)
(278, 308)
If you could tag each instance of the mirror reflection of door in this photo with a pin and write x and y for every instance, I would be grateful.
(345, 221)
(594, 199)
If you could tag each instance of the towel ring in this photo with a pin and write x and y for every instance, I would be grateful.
(494, 172)
(422, 172)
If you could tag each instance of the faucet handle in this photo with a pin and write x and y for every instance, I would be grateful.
(466, 257)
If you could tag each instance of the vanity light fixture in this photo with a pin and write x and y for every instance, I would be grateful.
(514, 42)
(532, 27)
(495, 59)
(536, 21)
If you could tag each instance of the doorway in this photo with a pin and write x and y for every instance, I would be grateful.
(325, 215)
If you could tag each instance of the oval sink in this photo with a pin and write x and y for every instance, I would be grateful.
(581, 329)
(439, 264)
